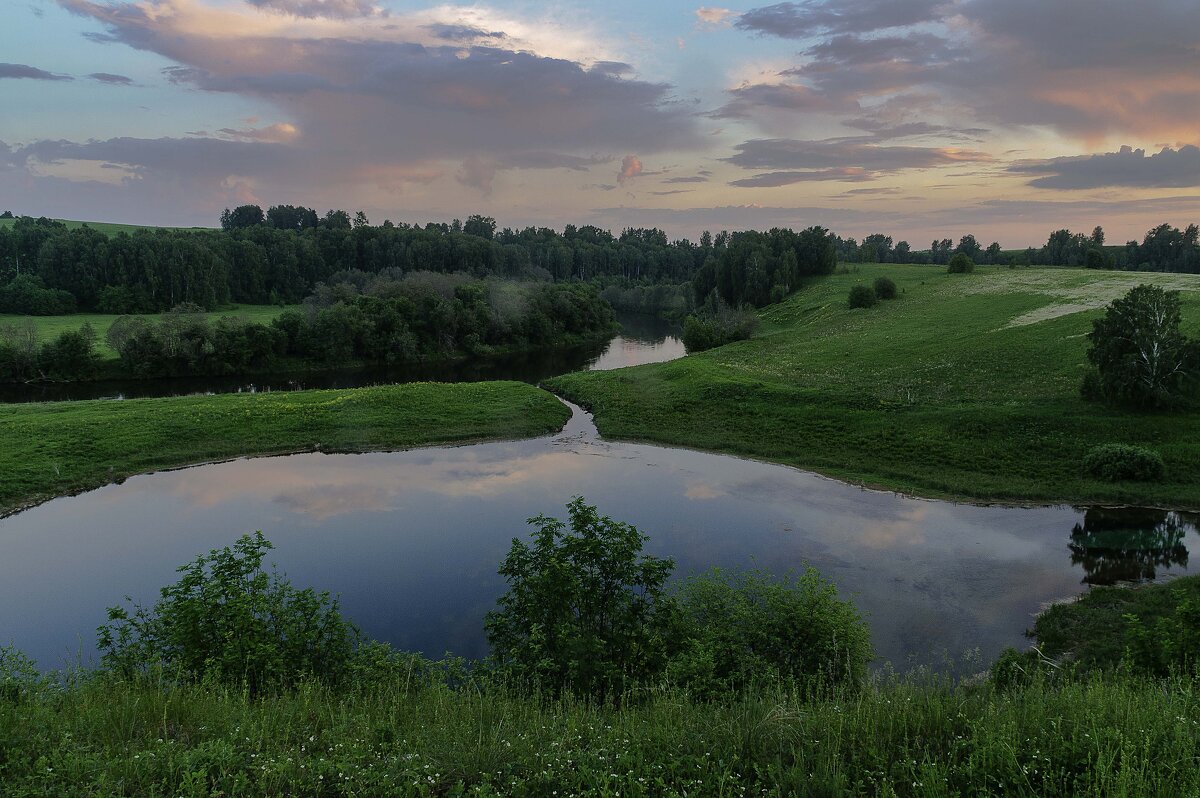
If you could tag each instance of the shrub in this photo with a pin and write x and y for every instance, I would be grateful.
(228, 619)
(1140, 354)
(19, 676)
(863, 296)
(960, 264)
(1115, 462)
(750, 627)
(885, 288)
(585, 609)
(1167, 645)
(717, 326)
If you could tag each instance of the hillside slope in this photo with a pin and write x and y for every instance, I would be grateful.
(964, 386)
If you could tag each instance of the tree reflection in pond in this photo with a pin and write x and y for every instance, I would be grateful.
(1129, 544)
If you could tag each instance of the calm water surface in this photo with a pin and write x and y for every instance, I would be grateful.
(411, 540)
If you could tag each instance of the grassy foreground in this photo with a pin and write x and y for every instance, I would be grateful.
(1112, 737)
(50, 327)
(48, 450)
(963, 386)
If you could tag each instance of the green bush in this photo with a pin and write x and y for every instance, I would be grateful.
(750, 627)
(716, 326)
(1116, 462)
(960, 264)
(885, 288)
(863, 296)
(227, 619)
(1168, 645)
(585, 610)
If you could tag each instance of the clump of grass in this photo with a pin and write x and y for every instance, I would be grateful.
(1114, 462)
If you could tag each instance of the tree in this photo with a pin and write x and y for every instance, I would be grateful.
(241, 217)
(1140, 354)
(967, 245)
(585, 609)
(482, 226)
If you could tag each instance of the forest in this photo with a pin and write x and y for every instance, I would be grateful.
(280, 256)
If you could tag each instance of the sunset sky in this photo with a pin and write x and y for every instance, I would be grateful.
(916, 118)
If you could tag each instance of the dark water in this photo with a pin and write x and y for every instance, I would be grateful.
(643, 339)
(412, 540)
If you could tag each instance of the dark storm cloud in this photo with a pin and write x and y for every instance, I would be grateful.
(190, 158)
(810, 18)
(1168, 168)
(32, 73)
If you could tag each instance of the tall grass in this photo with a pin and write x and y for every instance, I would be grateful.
(1102, 736)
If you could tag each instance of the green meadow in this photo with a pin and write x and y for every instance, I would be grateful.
(52, 449)
(964, 386)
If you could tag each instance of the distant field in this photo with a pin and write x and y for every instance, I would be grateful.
(108, 228)
(52, 326)
(963, 386)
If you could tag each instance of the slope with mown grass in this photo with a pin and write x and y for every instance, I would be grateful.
(49, 450)
(963, 386)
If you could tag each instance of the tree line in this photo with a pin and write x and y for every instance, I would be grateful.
(280, 255)
(357, 319)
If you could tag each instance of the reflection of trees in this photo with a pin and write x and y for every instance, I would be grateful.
(1128, 544)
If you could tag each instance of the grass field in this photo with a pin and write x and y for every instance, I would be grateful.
(108, 228)
(963, 386)
(52, 326)
(1099, 737)
(49, 450)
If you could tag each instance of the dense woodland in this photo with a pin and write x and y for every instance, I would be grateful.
(282, 255)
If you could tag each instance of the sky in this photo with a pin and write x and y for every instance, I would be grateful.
(919, 119)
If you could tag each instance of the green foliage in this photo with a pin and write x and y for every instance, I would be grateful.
(863, 296)
(960, 263)
(885, 288)
(27, 295)
(1142, 357)
(1167, 644)
(20, 679)
(1114, 462)
(717, 324)
(738, 630)
(228, 619)
(585, 610)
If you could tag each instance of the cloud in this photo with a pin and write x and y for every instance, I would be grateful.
(1168, 168)
(673, 191)
(793, 160)
(33, 73)
(279, 133)
(631, 167)
(748, 99)
(804, 20)
(312, 9)
(480, 173)
(696, 179)
(111, 79)
(713, 16)
(849, 174)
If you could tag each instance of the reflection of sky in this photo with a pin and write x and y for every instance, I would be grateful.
(412, 540)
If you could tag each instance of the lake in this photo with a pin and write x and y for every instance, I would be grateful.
(412, 540)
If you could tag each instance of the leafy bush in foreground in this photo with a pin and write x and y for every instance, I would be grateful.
(228, 619)
(585, 609)
(863, 296)
(1116, 462)
(749, 628)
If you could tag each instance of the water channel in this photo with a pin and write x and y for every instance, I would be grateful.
(412, 540)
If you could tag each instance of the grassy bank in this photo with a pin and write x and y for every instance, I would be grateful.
(50, 327)
(963, 386)
(108, 228)
(48, 450)
(1095, 737)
